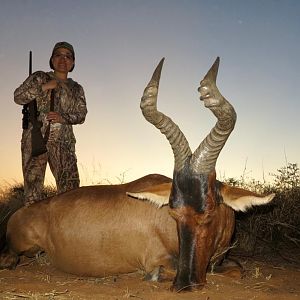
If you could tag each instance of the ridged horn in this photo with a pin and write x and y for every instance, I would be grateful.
(205, 156)
(176, 138)
(213, 71)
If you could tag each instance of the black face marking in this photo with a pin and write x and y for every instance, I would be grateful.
(185, 271)
(218, 186)
(189, 189)
(193, 196)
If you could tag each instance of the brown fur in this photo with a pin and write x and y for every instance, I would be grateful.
(211, 231)
(97, 230)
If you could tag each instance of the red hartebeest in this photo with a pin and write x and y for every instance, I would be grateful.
(204, 224)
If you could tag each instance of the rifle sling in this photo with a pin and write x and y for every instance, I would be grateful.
(47, 133)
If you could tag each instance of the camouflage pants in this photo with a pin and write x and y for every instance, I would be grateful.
(63, 165)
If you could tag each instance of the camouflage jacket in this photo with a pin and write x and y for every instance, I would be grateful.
(69, 101)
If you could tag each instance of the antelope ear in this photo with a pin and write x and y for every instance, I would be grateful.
(240, 199)
(157, 194)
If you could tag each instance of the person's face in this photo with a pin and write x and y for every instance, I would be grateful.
(62, 60)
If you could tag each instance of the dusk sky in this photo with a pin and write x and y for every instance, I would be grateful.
(118, 44)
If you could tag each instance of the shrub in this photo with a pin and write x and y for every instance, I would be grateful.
(273, 229)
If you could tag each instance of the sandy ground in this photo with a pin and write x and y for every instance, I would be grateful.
(37, 279)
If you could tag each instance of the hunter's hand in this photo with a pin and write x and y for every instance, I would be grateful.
(50, 85)
(54, 117)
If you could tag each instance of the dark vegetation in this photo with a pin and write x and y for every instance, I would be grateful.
(270, 232)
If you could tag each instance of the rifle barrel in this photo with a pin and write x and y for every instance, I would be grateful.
(30, 62)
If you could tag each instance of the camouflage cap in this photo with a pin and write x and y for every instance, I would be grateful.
(65, 45)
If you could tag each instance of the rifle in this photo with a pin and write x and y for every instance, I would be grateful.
(38, 143)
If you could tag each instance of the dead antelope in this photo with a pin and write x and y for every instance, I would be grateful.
(204, 224)
(103, 230)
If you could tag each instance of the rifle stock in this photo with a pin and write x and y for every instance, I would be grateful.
(38, 143)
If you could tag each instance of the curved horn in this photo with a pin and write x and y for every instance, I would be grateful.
(172, 132)
(205, 157)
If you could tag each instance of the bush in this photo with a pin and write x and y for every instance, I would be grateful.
(273, 229)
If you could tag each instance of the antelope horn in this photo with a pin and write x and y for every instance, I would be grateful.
(176, 138)
(205, 156)
(213, 71)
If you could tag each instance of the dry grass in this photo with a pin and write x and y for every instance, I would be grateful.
(34, 296)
